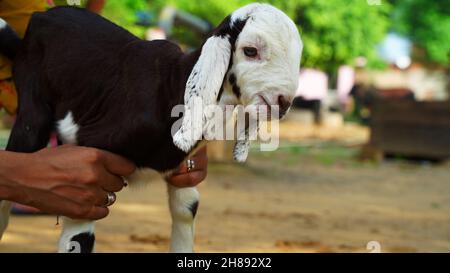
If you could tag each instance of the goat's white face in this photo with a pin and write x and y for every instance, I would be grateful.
(266, 59)
(264, 47)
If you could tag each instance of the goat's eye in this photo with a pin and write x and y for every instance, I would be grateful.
(250, 52)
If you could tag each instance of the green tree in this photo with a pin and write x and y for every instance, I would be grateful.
(334, 31)
(211, 10)
(427, 23)
(123, 13)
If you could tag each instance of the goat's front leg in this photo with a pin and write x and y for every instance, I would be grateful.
(77, 236)
(183, 203)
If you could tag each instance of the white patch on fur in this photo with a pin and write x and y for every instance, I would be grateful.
(72, 228)
(3, 24)
(203, 84)
(68, 129)
(245, 11)
(141, 176)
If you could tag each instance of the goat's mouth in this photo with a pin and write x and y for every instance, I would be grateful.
(264, 100)
(265, 107)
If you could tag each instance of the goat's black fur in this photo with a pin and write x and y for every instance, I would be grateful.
(119, 88)
(86, 242)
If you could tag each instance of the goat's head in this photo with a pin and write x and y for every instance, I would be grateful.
(252, 58)
(265, 59)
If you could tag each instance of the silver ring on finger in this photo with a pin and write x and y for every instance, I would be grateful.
(110, 199)
(190, 165)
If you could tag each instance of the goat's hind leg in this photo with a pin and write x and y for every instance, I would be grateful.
(183, 203)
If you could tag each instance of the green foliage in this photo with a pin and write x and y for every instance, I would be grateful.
(428, 24)
(334, 31)
(211, 10)
(123, 13)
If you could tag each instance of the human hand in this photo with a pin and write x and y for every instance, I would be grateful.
(68, 180)
(184, 178)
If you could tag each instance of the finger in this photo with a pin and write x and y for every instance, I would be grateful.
(83, 195)
(110, 182)
(200, 164)
(201, 153)
(201, 158)
(97, 213)
(101, 198)
(58, 205)
(116, 164)
(190, 179)
(182, 169)
(196, 177)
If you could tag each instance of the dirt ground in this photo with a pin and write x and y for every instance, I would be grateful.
(308, 196)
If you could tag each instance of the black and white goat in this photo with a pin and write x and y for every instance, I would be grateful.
(100, 86)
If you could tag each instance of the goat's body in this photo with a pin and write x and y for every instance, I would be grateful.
(117, 104)
(99, 86)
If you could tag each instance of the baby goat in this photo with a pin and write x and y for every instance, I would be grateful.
(100, 86)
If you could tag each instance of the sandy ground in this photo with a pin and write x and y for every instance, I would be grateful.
(313, 198)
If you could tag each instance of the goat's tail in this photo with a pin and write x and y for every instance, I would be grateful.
(9, 40)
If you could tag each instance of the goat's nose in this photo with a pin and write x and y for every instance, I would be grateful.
(284, 104)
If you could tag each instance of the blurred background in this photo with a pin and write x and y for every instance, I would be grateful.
(363, 152)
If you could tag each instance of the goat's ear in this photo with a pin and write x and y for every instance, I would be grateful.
(244, 135)
(204, 84)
